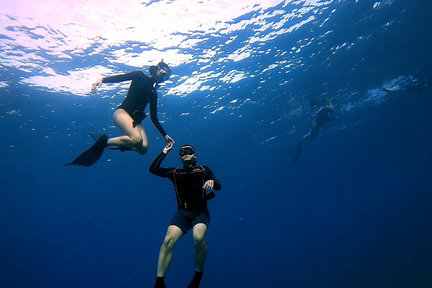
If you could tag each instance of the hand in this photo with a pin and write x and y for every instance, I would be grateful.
(169, 141)
(96, 85)
(208, 185)
(167, 148)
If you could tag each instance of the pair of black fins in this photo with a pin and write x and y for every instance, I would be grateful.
(92, 155)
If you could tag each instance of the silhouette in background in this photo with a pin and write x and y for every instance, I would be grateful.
(321, 117)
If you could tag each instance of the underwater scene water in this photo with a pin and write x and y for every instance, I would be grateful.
(248, 80)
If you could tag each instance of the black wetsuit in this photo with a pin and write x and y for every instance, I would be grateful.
(142, 91)
(321, 117)
(188, 183)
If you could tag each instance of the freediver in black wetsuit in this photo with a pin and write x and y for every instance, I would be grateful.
(129, 114)
(191, 184)
(321, 117)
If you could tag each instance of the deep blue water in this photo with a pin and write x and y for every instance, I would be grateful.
(353, 212)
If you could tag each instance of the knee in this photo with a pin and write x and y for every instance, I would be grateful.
(141, 149)
(169, 243)
(199, 239)
(136, 140)
(138, 144)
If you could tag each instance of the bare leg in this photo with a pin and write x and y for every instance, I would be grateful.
(174, 234)
(134, 136)
(144, 145)
(199, 232)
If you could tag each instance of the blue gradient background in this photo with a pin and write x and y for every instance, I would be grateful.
(353, 212)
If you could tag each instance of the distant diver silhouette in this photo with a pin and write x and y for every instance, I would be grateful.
(321, 117)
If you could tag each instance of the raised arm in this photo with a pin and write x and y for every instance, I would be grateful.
(155, 166)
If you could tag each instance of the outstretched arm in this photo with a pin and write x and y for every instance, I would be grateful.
(115, 79)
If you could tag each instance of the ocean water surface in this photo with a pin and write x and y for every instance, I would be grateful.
(248, 78)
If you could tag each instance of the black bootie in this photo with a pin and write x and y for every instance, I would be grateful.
(195, 283)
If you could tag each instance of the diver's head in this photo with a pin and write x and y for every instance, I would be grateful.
(187, 155)
(160, 72)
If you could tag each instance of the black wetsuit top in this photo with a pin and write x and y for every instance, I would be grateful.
(321, 117)
(188, 183)
(323, 114)
(141, 92)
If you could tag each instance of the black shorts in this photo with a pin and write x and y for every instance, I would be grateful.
(186, 219)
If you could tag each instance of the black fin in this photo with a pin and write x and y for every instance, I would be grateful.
(96, 137)
(92, 155)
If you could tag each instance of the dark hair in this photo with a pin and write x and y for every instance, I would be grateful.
(153, 69)
(164, 66)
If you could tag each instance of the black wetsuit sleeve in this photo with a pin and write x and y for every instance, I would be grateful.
(210, 176)
(122, 77)
(153, 115)
(159, 171)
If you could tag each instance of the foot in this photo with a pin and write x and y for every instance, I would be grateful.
(195, 283)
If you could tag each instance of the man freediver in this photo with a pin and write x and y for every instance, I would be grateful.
(191, 184)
